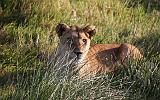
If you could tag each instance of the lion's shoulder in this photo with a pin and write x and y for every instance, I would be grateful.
(102, 47)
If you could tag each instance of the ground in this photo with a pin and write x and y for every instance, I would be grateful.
(27, 37)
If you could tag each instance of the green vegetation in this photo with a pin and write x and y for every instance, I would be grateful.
(27, 37)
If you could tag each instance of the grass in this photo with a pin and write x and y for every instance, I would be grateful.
(27, 37)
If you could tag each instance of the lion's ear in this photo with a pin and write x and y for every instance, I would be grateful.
(61, 28)
(90, 29)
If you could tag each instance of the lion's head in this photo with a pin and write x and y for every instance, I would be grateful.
(75, 40)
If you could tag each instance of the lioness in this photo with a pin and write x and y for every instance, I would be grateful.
(89, 60)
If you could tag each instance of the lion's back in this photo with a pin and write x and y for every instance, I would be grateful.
(104, 57)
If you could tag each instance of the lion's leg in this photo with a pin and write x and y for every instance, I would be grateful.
(128, 50)
(123, 52)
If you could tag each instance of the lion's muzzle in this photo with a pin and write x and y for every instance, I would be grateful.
(78, 54)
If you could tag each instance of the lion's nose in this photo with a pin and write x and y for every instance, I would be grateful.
(78, 54)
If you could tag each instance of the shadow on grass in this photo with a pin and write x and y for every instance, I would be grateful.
(150, 44)
(11, 82)
(17, 18)
(19, 68)
(149, 5)
(141, 78)
(6, 38)
(150, 68)
(13, 11)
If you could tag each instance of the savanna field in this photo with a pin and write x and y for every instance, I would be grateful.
(27, 38)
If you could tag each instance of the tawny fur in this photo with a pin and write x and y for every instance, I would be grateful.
(90, 60)
(102, 58)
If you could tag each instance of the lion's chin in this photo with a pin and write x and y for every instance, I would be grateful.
(79, 60)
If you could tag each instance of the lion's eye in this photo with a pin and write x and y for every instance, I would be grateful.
(84, 40)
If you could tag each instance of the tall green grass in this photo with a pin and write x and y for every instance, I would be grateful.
(27, 37)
